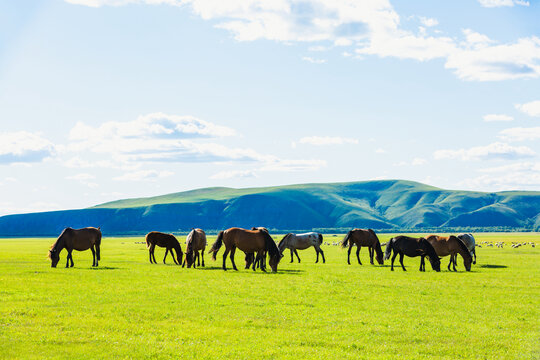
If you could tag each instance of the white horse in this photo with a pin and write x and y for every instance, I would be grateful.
(295, 242)
(468, 240)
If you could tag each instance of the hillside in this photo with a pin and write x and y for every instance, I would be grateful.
(382, 205)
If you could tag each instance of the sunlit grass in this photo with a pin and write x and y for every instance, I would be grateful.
(128, 308)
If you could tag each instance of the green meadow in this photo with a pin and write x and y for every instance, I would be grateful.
(128, 308)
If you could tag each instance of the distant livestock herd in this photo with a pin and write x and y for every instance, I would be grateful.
(257, 244)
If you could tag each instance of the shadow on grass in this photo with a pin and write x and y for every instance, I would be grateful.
(101, 268)
(489, 266)
(268, 271)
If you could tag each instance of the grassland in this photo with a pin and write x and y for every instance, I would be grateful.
(128, 308)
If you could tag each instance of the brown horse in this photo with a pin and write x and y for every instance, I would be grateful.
(249, 241)
(195, 242)
(76, 239)
(168, 241)
(451, 245)
(250, 257)
(362, 237)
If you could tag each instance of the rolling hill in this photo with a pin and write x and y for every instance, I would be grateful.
(392, 205)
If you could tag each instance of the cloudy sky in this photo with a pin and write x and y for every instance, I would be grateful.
(109, 99)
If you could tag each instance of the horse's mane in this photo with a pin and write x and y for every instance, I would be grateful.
(270, 245)
(282, 240)
(378, 248)
(55, 244)
(463, 246)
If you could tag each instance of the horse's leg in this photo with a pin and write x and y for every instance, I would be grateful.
(298, 257)
(292, 253)
(474, 253)
(173, 257)
(349, 253)
(202, 256)
(450, 263)
(322, 254)
(166, 252)
(225, 257)
(401, 261)
(150, 254)
(317, 251)
(152, 250)
(421, 263)
(97, 254)
(198, 258)
(233, 250)
(454, 262)
(93, 256)
(393, 258)
(358, 253)
(371, 253)
(262, 258)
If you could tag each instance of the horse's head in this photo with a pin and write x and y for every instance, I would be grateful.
(189, 258)
(380, 259)
(54, 256)
(467, 260)
(274, 261)
(435, 263)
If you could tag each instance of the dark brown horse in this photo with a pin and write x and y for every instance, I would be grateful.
(249, 241)
(195, 242)
(412, 247)
(362, 237)
(451, 245)
(168, 241)
(76, 239)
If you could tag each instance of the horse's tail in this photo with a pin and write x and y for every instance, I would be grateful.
(147, 241)
(320, 239)
(346, 239)
(217, 245)
(98, 243)
(388, 250)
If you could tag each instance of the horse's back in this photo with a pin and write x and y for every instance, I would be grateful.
(245, 240)
(468, 240)
(161, 239)
(83, 239)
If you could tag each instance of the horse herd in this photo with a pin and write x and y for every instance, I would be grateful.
(257, 244)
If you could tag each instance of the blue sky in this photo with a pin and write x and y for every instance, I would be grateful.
(109, 99)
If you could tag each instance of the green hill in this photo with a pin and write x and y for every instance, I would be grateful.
(383, 205)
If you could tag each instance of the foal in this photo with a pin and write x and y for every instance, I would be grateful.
(167, 241)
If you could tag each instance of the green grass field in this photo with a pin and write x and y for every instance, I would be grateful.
(128, 308)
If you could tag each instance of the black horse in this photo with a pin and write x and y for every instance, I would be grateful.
(412, 247)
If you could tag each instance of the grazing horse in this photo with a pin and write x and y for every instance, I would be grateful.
(412, 247)
(250, 257)
(249, 241)
(451, 245)
(295, 242)
(78, 239)
(362, 237)
(168, 241)
(195, 242)
(470, 243)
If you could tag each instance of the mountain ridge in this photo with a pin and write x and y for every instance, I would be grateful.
(380, 204)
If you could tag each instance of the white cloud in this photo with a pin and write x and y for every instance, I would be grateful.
(234, 174)
(143, 175)
(488, 152)
(531, 108)
(429, 22)
(380, 151)
(313, 61)
(327, 140)
(373, 27)
(418, 161)
(11, 208)
(318, 48)
(516, 176)
(24, 147)
(84, 179)
(499, 3)
(497, 117)
(520, 134)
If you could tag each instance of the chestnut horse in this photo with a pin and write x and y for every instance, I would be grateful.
(302, 241)
(249, 241)
(168, 241)
(451, 245)
(412, 247)
(362, 237)
(76, 239)
(195, 242)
